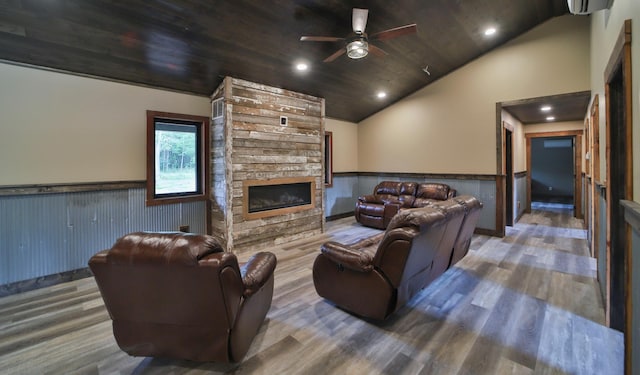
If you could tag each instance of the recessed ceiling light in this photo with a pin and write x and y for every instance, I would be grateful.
(490, 31)
(545, 108)
(302, 66)
(381, 94)
(550, 118)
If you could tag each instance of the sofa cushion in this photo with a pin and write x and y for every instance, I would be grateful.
(401, 193)
(406, 201)
(388, 188)
(371, 209)
(432, 190)
(422, 202)
(408, 188)
(415, 217)
(163, 248)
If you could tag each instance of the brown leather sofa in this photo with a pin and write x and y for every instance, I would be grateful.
(374, 277)
(472, 208)
(376, 210)
(178, 295)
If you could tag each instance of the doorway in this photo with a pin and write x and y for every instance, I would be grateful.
(553, 171)
(568, 143)
(515, 199)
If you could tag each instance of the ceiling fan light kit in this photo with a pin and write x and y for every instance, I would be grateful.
(358, 48)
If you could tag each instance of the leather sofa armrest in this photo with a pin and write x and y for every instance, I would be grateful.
(257, 271)
(369, 198)
(99, 257)
(347, 257)
(390, 209)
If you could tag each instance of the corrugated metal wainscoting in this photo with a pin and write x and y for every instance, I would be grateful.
(47, 234)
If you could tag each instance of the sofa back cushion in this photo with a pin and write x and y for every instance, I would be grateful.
(388, 188)
(402, 193)
(433, 190)
(163, 248)
(408, 188)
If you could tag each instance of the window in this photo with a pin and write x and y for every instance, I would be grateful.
(558, 143)
(177, 151)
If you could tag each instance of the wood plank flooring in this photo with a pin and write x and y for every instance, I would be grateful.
(524, 304)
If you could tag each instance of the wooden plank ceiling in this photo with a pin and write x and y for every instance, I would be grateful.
(189, 45)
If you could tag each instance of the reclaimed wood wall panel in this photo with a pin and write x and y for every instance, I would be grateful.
(219, 201)
(258, 147)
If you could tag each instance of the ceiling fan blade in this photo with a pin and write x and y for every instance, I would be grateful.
(359, 20)
(320, 39)
(377, 51)
(337, 54)
(395, 32)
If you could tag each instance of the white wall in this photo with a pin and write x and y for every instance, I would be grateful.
(449, 126)
(605, 30)
(345, 144)
(62, 128)
(546, 127)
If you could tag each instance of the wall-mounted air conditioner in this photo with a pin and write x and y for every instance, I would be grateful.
(588, 6)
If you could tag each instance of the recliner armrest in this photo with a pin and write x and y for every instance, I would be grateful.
(391, 208)
(99, 257)
(347, 257)
(369, 198)
(257, 271)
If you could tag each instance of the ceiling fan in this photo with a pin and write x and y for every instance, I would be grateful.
(357, 44)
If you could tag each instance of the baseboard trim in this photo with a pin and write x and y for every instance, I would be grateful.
(44, 281)
(340, 216)
(487, 232)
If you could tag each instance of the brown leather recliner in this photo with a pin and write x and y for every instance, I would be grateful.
(178, 295)
(375, 277)
(376, 210)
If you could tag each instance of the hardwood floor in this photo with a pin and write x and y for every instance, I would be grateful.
(524, 304)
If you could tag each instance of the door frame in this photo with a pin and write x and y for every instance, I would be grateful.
(620, 60)
(577, 166)
(507, 170)
(594, 173)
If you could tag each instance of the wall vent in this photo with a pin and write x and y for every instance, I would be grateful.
(218, 108)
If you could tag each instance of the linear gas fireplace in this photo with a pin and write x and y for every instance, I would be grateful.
(264, 198)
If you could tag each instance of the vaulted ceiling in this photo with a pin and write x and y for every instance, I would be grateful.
(190, 45)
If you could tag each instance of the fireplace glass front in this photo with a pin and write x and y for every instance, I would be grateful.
(273, 197)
